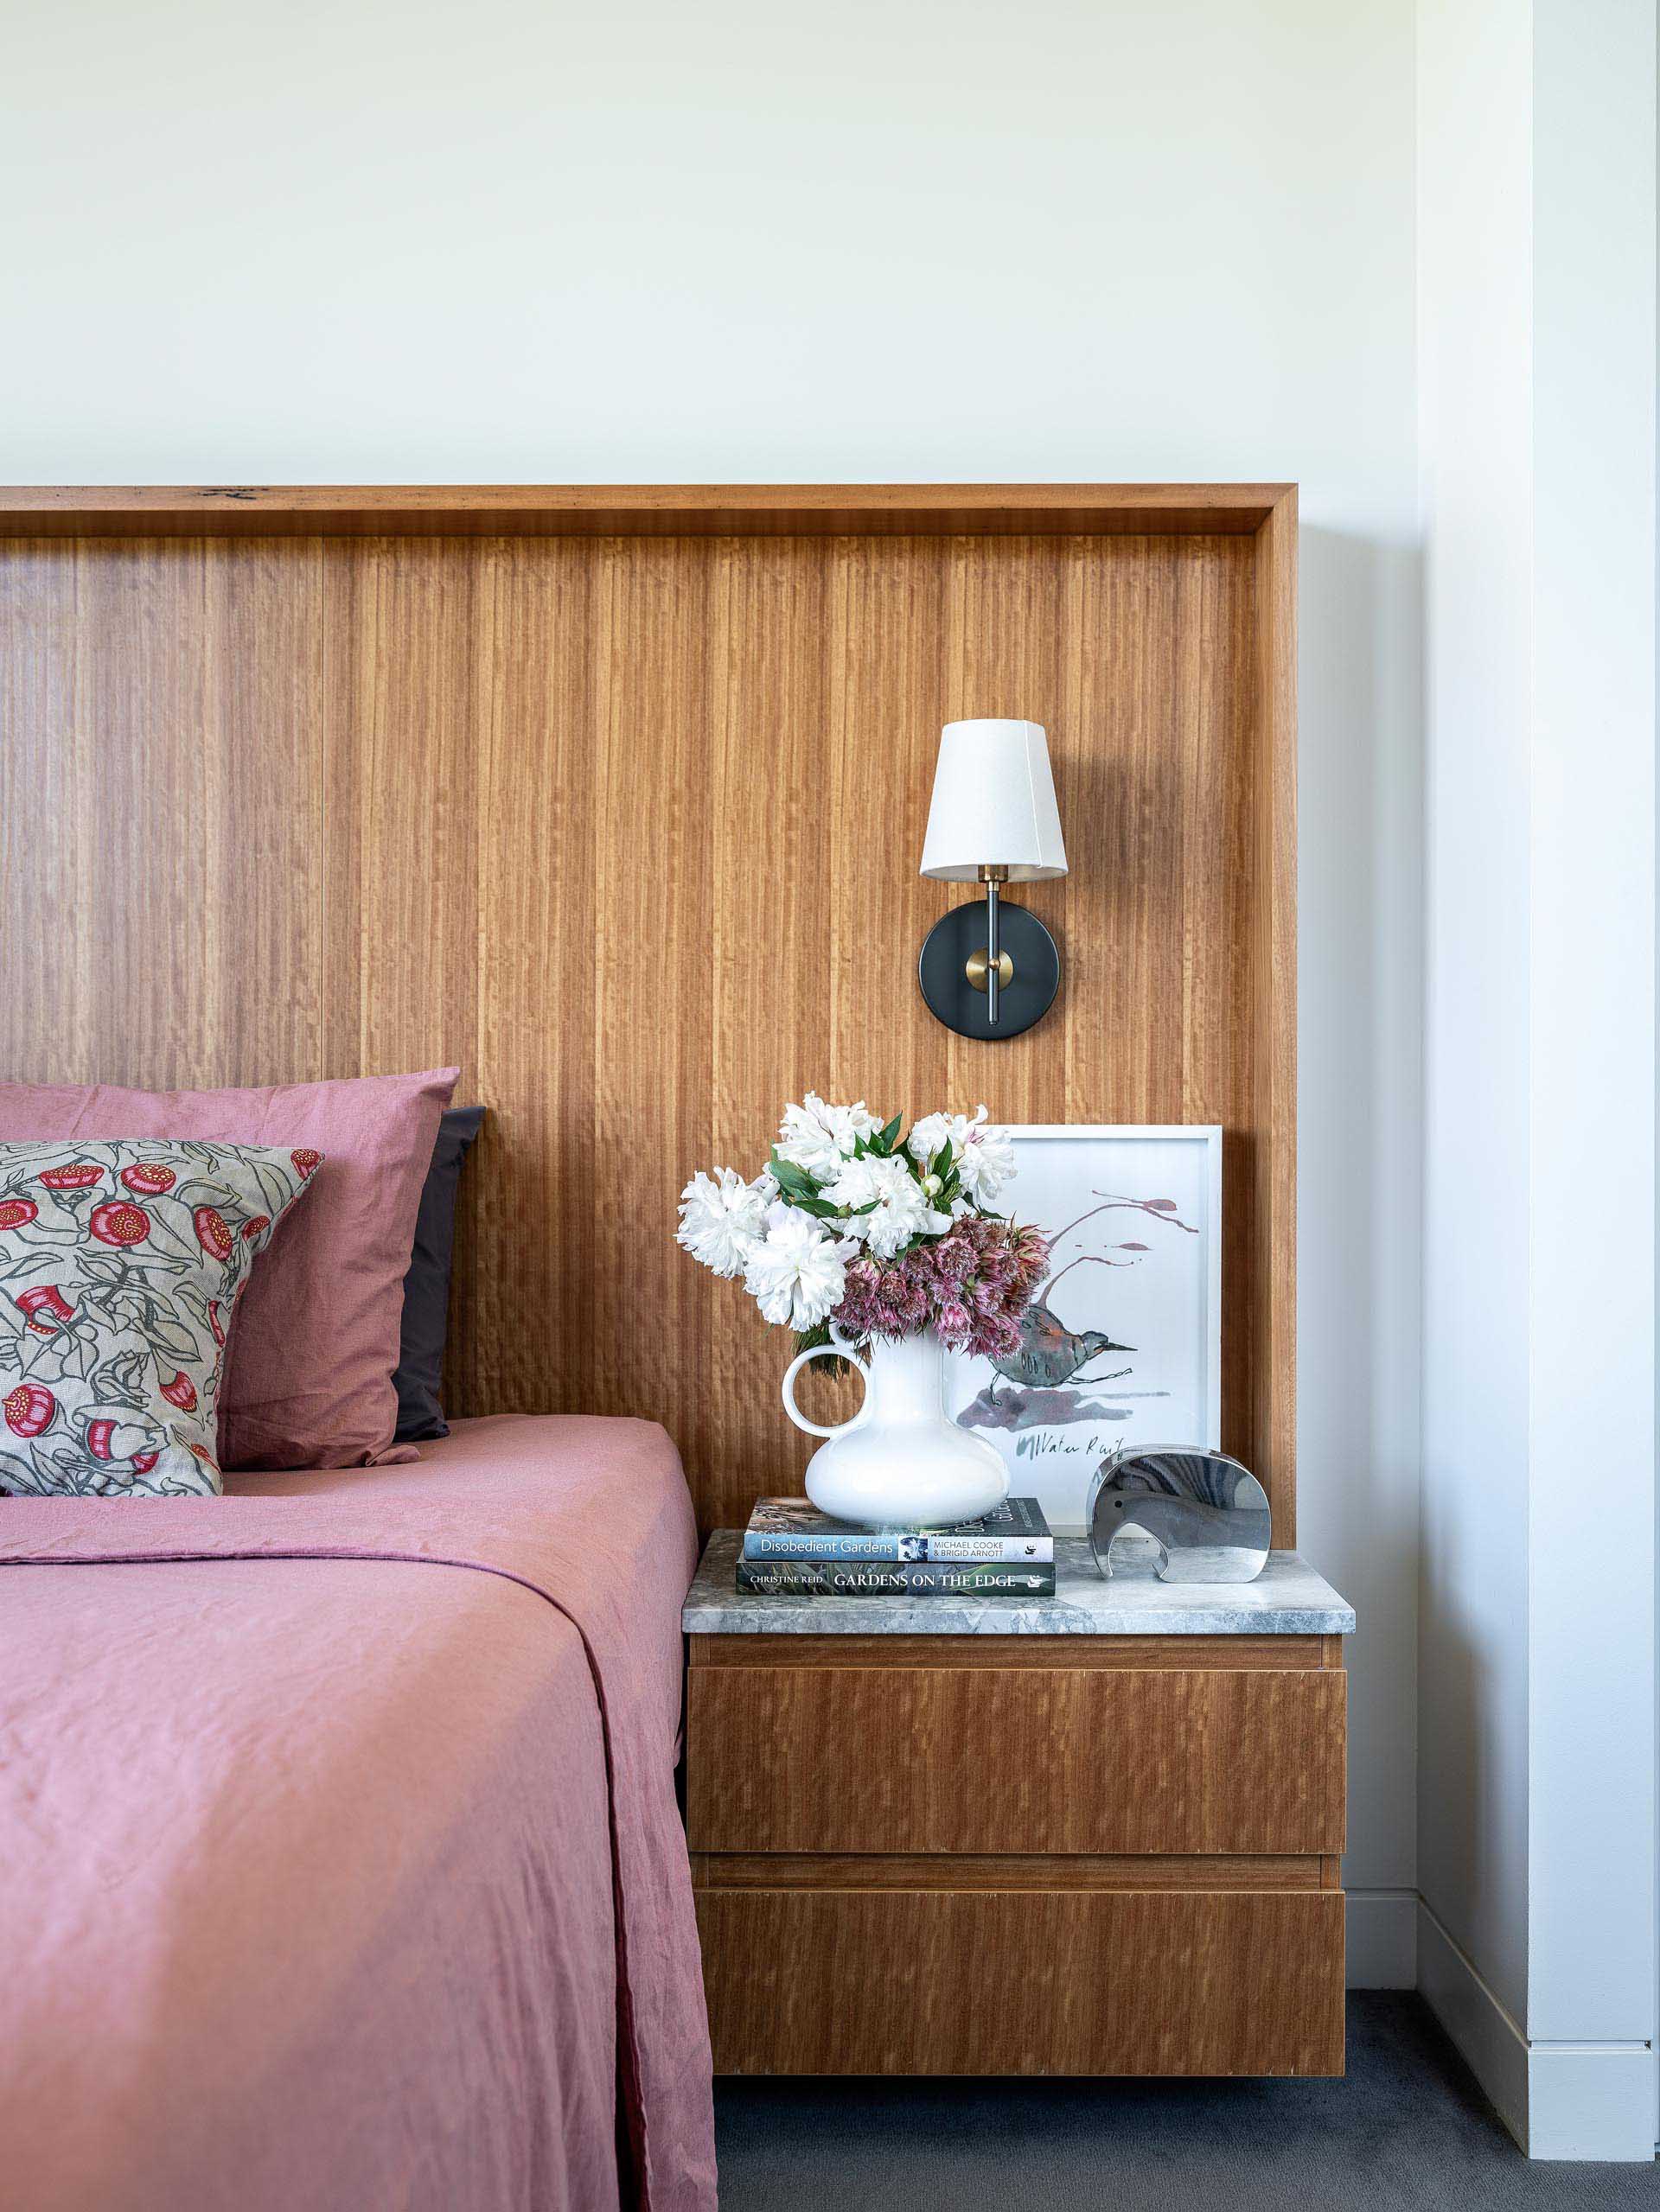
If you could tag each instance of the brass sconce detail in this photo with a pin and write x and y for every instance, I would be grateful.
(979, 970)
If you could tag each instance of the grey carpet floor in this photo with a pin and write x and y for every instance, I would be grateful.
(1406, 2130)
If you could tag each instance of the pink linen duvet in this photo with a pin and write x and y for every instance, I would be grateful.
(339, 1859)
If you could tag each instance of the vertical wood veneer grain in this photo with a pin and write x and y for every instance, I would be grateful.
(628, 826)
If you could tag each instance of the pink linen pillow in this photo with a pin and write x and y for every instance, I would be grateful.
(309, 1380)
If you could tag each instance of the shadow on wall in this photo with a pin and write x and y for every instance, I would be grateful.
(1360, 1157)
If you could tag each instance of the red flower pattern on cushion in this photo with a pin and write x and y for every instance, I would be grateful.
(212, 1234)
(119, 1221)
(306, 1160)
(180, 1392)
(78, 1174)
(125, 1263)
(29, 1408)
(149, 1178)
(47, 1300)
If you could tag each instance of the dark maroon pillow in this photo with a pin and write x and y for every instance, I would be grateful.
(426, 1287)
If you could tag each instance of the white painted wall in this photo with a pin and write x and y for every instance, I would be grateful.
(896, 239)
(1476, 412)
(1538, 357)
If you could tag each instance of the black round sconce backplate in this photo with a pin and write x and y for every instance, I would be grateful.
(943, 970)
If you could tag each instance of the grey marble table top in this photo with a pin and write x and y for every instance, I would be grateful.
(1287, 1598)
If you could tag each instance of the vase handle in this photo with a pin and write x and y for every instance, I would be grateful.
(837, 1350)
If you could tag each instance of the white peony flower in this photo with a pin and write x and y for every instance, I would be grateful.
(984, 1158)
(723, 1219)
(797, 1274)
(931, 1132)
(901, 1210)
(819, 1137)
(987, 1162)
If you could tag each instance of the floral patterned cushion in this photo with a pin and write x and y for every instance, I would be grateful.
(119, 1265)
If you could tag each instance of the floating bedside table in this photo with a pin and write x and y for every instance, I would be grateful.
(1094, 1833)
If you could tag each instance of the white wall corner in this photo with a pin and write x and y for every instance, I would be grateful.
(1584, 2101)
(1537, 1724)
(1382, 1939)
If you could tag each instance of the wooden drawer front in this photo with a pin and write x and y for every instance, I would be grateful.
(936, 1981)
(1027, 1759)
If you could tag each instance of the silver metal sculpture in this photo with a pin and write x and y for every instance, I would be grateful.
(1207, 1514)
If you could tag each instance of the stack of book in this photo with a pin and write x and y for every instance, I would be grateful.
(791, 1550)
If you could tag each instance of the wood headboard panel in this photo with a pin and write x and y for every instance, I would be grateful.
(617, 803)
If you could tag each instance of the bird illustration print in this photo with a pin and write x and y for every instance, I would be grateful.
(1050, 1354)
(1049, 1366)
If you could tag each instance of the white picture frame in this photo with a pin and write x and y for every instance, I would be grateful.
(1153, 1301)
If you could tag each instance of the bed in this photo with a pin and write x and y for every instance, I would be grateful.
(340, 1863)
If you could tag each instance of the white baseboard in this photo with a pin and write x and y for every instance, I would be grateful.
(1382, 1939)
(1580, 2101)
(1494, 2048)
(1591, 2100)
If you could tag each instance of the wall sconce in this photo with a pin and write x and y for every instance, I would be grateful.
(992, 970)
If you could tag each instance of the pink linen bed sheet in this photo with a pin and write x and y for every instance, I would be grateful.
(335, 1874)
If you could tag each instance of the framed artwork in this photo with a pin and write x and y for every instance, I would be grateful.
(1122, 1344)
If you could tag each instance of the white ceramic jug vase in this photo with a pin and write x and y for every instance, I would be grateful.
(901, 1462)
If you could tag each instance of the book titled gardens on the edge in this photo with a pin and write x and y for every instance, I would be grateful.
(790, 1549)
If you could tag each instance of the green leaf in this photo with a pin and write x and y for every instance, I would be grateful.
(941, 1159)
(886, 1136)
(789, 1178)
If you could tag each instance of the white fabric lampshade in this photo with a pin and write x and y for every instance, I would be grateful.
(994, 805)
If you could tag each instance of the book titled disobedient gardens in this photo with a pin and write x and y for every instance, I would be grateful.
(791, 1550)
(1013, 1533)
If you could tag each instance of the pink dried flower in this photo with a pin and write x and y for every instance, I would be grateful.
(993, 1334)
(972, 1284)
(953, 1257)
